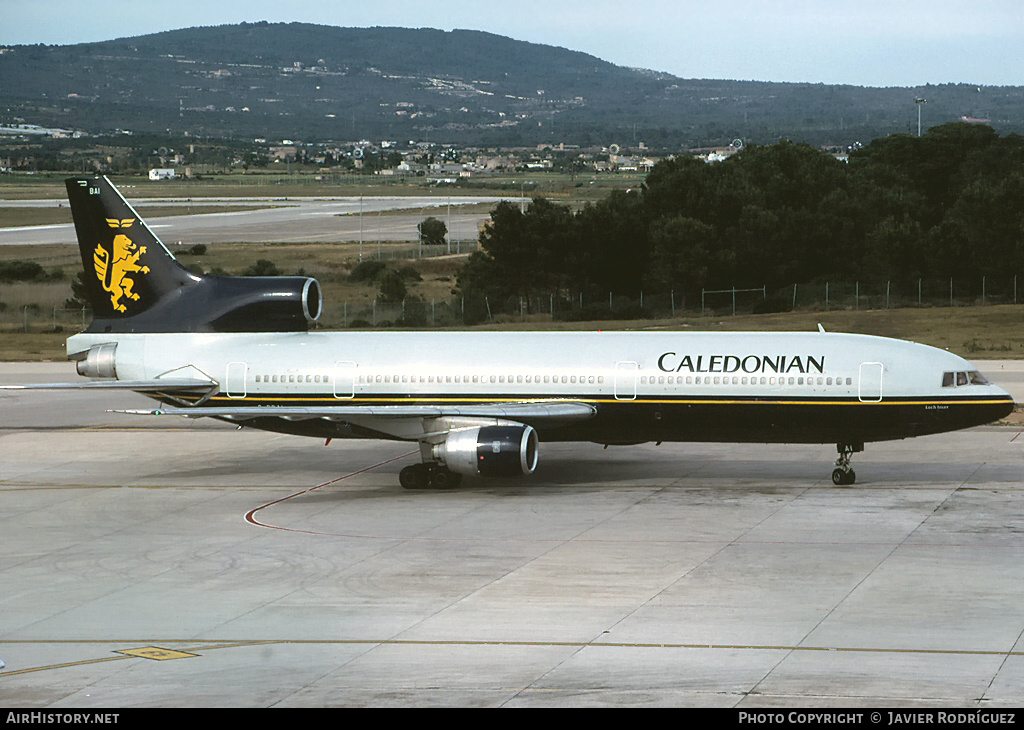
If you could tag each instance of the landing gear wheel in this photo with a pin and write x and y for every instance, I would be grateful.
(843, 478)
(432, 476)
(443, 478)
(414, 476)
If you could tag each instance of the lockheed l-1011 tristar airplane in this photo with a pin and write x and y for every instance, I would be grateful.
(239, 349)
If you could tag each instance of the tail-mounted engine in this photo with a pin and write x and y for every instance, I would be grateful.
(490, 451)
(262, 304)
(98, 361)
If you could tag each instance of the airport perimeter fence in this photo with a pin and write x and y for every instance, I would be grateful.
(36, 318)
(375, 251)
(577, 307)
(824, 296)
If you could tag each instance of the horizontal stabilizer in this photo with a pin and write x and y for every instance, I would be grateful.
(142, 386)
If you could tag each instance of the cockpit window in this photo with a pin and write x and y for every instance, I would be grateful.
(977, 378)
(951, 380)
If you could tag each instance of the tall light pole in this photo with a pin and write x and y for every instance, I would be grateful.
(378, 232)
(919, 101)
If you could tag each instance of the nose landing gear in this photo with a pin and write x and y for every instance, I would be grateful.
(844, 474)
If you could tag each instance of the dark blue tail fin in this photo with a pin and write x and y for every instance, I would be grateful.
(134, 284)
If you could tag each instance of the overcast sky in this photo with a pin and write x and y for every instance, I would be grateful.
(861, 42)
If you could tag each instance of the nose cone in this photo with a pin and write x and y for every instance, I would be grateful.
(983, 398)
(996, 405)
(1010, 387)
(1007, 407)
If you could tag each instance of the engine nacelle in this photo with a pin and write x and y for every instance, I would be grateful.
(259, 303)
(490, 451)
(98, 361)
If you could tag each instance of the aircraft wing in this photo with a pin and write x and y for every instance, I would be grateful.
(406, 422)
(552, 411)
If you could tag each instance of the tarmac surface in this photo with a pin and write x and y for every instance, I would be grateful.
(155, 562)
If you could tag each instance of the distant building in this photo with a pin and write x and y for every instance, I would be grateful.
(413, 167)
(280, 153)
(714, 154)
(447, 168)
(497, 162)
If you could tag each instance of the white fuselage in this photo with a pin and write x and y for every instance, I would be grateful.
(667, 370)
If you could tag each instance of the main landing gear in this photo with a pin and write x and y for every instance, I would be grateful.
(844, 474)
(429, 476)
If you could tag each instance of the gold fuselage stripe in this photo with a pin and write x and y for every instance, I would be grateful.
(753, 400)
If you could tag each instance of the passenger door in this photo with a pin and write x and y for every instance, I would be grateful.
(869, 389)
(234, 383)
(344, 379)
(625, 380)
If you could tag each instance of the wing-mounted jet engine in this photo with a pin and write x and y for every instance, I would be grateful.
(504, 449)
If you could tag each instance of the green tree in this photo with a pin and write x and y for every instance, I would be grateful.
(432, 231)
(612, 245)
(950, 203)
(523, 252)
(683, 253)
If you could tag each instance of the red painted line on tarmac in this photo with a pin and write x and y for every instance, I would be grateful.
(250, 516)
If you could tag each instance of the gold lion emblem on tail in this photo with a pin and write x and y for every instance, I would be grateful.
(113, 268)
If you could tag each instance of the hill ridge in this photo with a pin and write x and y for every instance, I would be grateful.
(318, 82)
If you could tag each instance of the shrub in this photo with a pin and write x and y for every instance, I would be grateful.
(367, 271)
(22, 271)
(392, 288)
(409, 272)
(262, 267)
